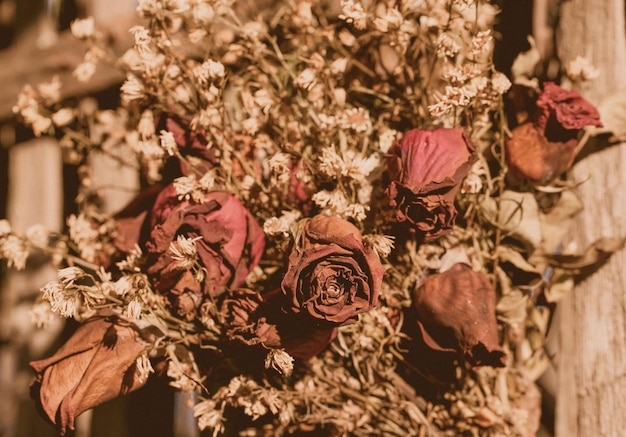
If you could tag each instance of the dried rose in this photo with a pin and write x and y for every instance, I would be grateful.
(456, 311)
(562, 113)
(222, 244)
(255, 319)
(426, 170)
(95, 365)
(332, 276)
(542, 149)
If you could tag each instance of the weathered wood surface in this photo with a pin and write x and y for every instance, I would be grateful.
(25, 63)
(592, 358)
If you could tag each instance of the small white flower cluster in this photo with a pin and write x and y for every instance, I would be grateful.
(281, 225)
(189, 188)
(353, 13)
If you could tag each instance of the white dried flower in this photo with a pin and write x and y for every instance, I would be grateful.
(62, 117)
(382, 244)
(306, 79)
(447, 45)
(83, 28)
(500, 83)
(208, 416)
(50, 91)
(280, 164)
(168, 142)
(357, 119)
(142, 39)
(184, 251)
(84, 71)
(391, 19)
(133, 309)
(280, 361)
(356, 211)
(38, 235)
(481, 42)
(143, 367)
(179, 376)
(582, 69)
(13, 249)
(283, 224)
(387, 139)
(5, 227)
(132, 89)
(63, 301)
(41, 314)
(353, 13)
(202, 13)
(338, 66)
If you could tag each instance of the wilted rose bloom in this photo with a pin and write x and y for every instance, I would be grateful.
(456, 311)
(426, 170)
(542, 149)
(95, 365)
(226, 242)
(332, 276)
(255, 319)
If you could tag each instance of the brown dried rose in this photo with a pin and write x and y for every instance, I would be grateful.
(542, 149)
(96, 364)
(426, 170)
(225, 243)
(255, 319)
(332, 276)
(456, 311)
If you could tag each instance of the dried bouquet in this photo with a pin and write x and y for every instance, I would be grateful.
(350, 222)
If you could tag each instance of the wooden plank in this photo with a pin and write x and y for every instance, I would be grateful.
(25, 63)
(592, 359)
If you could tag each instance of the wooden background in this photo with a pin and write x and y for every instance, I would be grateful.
(589, 342)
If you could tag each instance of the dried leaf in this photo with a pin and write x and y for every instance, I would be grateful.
(598, 252)
(524, 65)
(512, 307)
(519, 216)
(556, 223)
(613, 113)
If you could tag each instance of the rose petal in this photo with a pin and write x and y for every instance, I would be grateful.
(457, 309)
(95, 365)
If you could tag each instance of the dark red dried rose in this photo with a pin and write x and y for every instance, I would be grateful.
(255, 319)
(228, 241)
(456, 311)
(562, 110)
(545, 148)
(426, 170)
(332, 276)
(96, 364)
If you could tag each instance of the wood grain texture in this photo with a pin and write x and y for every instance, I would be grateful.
(592, 358)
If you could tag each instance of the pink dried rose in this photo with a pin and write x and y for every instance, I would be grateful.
(96, 364)
(426, 169)
(225, 244)
(456, 312)
(542, 149)
(332, 275)
(254, 319)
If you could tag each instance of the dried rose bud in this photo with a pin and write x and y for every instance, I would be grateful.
(331, 275)
(96, 364)
(426, 170)
(456, 311)
(190, 143)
